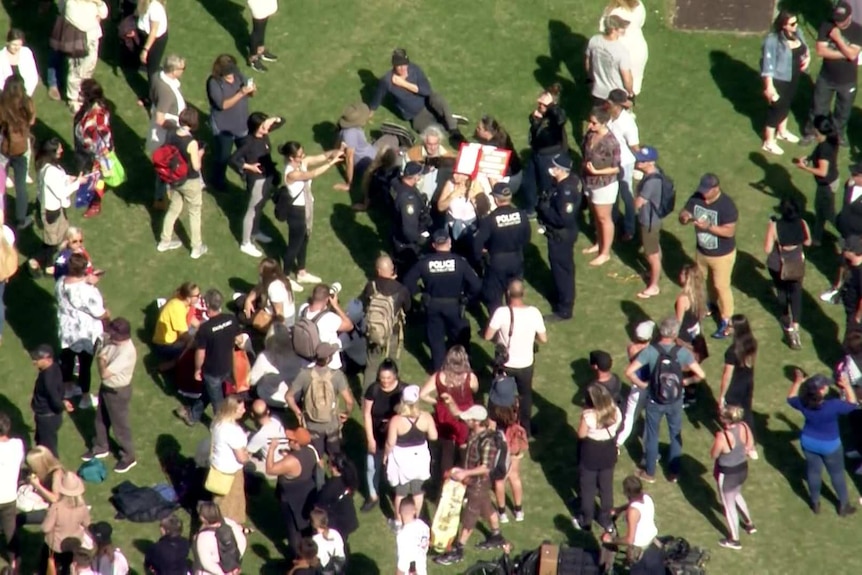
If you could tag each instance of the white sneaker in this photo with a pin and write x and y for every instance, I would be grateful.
(86, 402)
(503, 517)
(519, 516)
(307, 278)
(829, 295)
(74, 391)
(261, 237)
(9, 182)
(788, 137)
(753, 455)
(236, 295)
(251, 250)
(168, 246)
(199, 251)
(29, 179)
(297, 288)
(772, 148)
(94, 400)
(463, 120)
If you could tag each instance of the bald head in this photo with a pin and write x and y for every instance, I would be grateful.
(259, 408)
(385, 267)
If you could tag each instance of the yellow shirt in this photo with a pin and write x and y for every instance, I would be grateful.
(171, 323)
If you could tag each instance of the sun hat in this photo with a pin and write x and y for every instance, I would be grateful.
(474, 413)
(71, 485)
(355, 115)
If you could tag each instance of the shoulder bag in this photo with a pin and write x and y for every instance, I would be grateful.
(218, 482)
(67, 39)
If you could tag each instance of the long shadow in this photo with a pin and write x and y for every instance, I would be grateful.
(782, 455)
(536, 270)
(674, 255)
(363, 242)
(740, 84)
(696, 485)
(20, 426)
(566, 49)
(370, 80)
(554, 446)
(231, 17)
(776, 181)
(30, 310)
(582, 376)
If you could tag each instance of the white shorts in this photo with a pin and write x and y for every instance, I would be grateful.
(606, 195)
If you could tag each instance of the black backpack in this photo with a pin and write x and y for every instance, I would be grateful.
(499, 467)
(681, 558)
(229, 558)
(667, 202)
(666, 377)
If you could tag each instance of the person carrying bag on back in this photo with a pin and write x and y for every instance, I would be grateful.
(667, 362)
(320, 321)
(654, 200)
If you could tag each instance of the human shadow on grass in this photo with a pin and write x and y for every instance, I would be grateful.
(565, 50)
(20, 426)
(582, 376)
(674, 256)
(777, 181)
(537, 273)
(231, 17)
(741, 85)
(370, 81)
(554, 446)
(698, 488)
(30, 310)
(363, 243)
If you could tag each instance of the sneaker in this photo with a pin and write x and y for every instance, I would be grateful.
(462, 120)
(830, 296)
(793, 339)
(749, 528)
(456, 555)
(268, 56)
(519, 516)
(503, 517)
(183, 414)
(730, 544)
(29, 179)
(28, 221)
(91, 455)
(295, 286)
(251, 250)
(124, 466)
(753, 455)
(369, 505)
(307, 278)
(168, 246)
(772, 148)
(491, 542)
(94, 400)
(74, 391)
(86, 401)
(54, 94)
(788, 137)
(9, 182)
(199, 251)
(258, 66)
(644, 476)
(261, 237)
(846, 511)
(722, 331)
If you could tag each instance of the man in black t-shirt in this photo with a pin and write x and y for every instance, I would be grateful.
(214, 344)
(851, 293)
(601, 363)
(714, 216)
(838, 43)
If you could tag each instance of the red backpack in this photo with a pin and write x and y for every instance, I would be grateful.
(171, 167)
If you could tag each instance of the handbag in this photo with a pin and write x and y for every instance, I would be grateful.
(67, 39)
(792, 264)
(261, 320)
(218, 482)
(113, 172)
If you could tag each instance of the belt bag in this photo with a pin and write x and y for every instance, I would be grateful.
(792, 264)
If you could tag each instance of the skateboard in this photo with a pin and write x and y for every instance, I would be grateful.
(447, 518)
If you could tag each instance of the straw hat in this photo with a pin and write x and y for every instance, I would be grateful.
(71, 485)
(354, 116)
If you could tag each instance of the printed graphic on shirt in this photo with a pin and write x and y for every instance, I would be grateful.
(507, 220)
(705, 240)
(441, 266)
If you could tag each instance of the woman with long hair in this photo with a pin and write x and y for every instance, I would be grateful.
(68, 517)
(823, 165)
(504, 411)
(274, 294)
(379, 403)
(174, 331)
(785, 239)
(460, 200)
(489, 132)
(16, 59)
(336, 495)
(153, 38)
(330, 544)
(690, 308)
(46, 472)
(547, 139)
(785, 58)
(737, 379)
(730, 450)
(407, 457)
(94, 139)
(107, 557)
(597, 459)
(228, 454)
(228, 92)
(820, 438)
(601, 180)
(56, 188)
(17, 116)
(633, 12)
(451, 391)
(299, 171)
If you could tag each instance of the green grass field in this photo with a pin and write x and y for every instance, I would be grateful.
(701, 106)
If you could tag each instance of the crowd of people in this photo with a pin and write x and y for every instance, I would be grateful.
(276, 371)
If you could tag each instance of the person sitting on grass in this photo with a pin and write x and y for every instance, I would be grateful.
(73, 243)
(174, 334)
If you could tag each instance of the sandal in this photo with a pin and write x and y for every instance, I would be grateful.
(646, 294)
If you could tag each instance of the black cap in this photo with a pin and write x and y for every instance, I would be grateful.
(853, 244)
(412, 169)
(440, 236)
(563, 161)
(399, 57)
(501, 190)
(601, 360)
(43, 351)
(856, 169)
(617, 96)
(101, 532)
(842, 11)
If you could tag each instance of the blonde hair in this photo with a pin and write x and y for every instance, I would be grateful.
(227, 410)
(42, 462)
(603, 405)
(693, 289)
(408, 409)
(72, 500)
(456, 365)
(732, 414)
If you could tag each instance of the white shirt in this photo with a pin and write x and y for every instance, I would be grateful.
(119, 565)
(626, 131)
(155, 13)
(602, 433)
(296, 189)
(9, 235)
(327, 328)
(26, 67)
(55, 189)
(226, 437)
(276, 292)
(329, 548)
(528, 323)
(11, 457)
(79, 310)
(86, 16)
(259, 441)
(261, 9)
(462, 209)
(412, 546)
(646, 530)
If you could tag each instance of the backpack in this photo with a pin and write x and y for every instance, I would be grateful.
(667, 202)
(381, 320)
(171, 167)
(230, 559)
(306, 336)
(516, 439)
(319, 401)
(93, 471)
(666, 377)
(14, 142)
(499, 467)
(8, 259)
(683, 559)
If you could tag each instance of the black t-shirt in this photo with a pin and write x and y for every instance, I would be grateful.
(387, 287)
(614, 387)
(825, 150)
(383, 408)
(182, 144)
(741, 389)
(852, 290)
(841, 72)
(720, 212)
(216, 335)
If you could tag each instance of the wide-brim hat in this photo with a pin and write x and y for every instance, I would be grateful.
(355, 115)
(71, 485)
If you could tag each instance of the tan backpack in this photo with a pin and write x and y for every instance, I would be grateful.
(320, 402)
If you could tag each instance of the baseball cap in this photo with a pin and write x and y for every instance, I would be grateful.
(475, 413)
(646, 154)
(299, 435)
(502, 190)
(440, 236)
(841, 12)
(42, 351)
(410, 394)
(707, 182)
(412, 169)
(645, 330)
(101, 532)
(853, 244)
(601, 360)
(563, 162)
(503, 391)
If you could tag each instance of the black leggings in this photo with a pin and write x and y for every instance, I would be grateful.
(67, 366)
(778, 111)
(155, 55)
(258, 36)
(789, 296)
(297, 240)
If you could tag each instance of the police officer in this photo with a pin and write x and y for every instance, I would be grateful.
(410, 218)
(558, 213)
(502, 234)
(446, 279)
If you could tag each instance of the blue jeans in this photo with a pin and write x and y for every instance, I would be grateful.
(626, 196)
(654, 413)
(213, 393)
(18, 164)
(56, 69)
(373, 469)
(223, 143)
(536, 179)
(834, 463)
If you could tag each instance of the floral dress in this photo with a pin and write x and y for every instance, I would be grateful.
(79, 309)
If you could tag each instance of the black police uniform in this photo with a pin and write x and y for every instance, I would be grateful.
(504, 233)
(410, 220)
(446, 277)
(558, 212)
